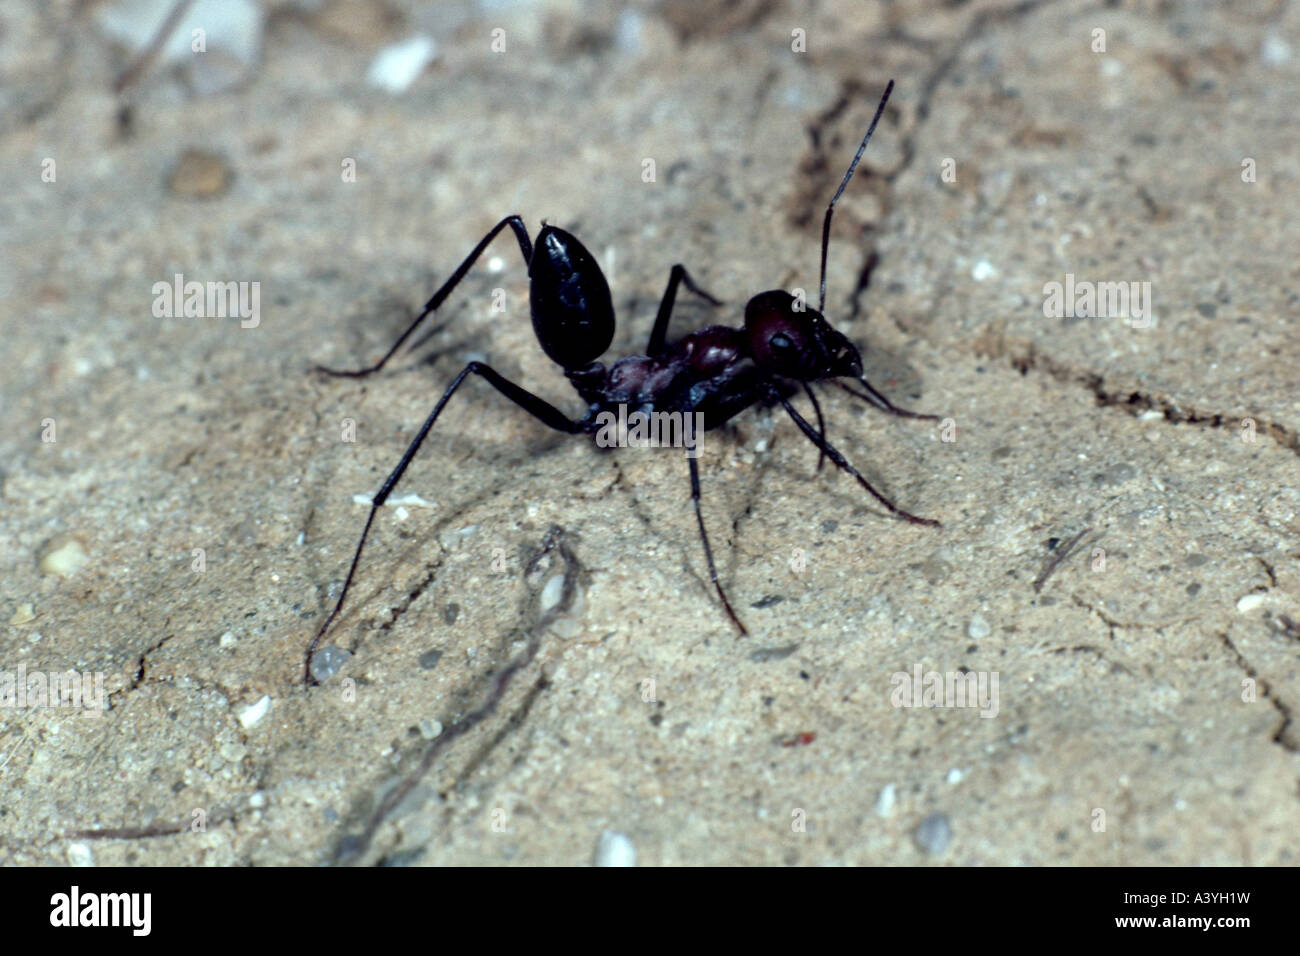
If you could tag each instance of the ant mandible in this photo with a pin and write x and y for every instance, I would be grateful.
(717, 371)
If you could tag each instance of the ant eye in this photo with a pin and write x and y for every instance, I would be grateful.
(780, 341)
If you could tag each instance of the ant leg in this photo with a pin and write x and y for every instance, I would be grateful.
(821, 423)
(543, 411)
(840, 461)
(708, 552)
(882, 403)
(525, 246)
(660, 332)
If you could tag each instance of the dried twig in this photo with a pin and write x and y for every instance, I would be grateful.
(149, 52)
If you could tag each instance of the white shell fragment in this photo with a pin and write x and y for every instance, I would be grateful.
(615, 849)
(254, 712)
(1249, 602)
(63, 555)
(396, 501)
(552, 593)
(398, 66)
(79, 854)
(886, 801)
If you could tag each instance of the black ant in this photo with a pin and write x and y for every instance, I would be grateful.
(717, 371)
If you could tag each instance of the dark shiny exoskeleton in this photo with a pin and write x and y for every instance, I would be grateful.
(718, 371)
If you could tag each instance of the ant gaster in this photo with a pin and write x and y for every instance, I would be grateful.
(717, 371)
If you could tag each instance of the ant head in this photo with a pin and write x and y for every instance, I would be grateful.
(797, 342)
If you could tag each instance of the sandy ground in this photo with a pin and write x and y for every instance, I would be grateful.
(1120, 540)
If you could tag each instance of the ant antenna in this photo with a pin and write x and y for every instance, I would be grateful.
(826, 225)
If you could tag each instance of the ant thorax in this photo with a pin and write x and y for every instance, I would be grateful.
(684, 378)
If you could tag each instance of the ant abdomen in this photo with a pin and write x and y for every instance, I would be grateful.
(573, 314)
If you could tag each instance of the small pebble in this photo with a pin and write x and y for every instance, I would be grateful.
(1274, 50)
(429, 659)
(933, 834)
(1115, 475)
(1251, 601)
(450, 540)
(983, 270)
(23, 614)
(199, 174)
(430, 729)
(955, 775)
(765, 654)
(79, 854)
(358, 22)
(232, 752)
(615, 849)
(886, 801)
(628, 30)
(978, 628)
(63, 555)
(397, 501)
(415, 501)
(255, 712)
(228, 639)
(936, 568)
(398, 66)
(327, 662)
(552, 593)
